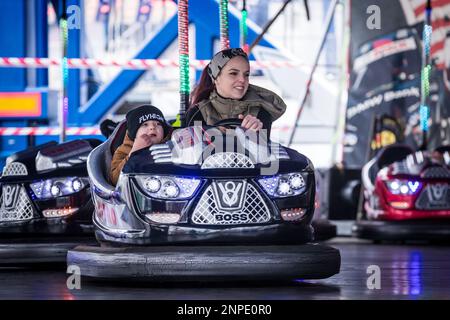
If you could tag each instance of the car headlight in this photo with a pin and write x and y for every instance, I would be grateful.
(284, 185)
(403, 187)
(57, 187)
(168, 187)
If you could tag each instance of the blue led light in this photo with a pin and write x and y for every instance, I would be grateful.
(424, 114)
(413, 186)
(284, 185)
(164, 187)
(427, 30)
(403, 187)
(56, 187)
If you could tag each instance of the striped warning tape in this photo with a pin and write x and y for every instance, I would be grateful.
(48, 131)
(76, 63)
(70, 131)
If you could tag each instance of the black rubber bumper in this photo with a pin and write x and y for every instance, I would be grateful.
(403, 230)
(18, 252)
(323, 229)
(280, 234)
(206, 263)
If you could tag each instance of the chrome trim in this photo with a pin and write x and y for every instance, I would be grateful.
(365, 175)
(159, 147)
(99, 183)
(160, 151)
(278, 151)
(163, 160)
(129, 234)
(63, 155)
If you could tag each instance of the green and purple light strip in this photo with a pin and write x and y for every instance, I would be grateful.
(244, 27)
(65, 83)
(224, 37)
(425, 75)
(183, 51)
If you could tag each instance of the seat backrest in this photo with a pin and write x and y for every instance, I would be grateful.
(386, 156)
(118, 136)
(393, 153)
(107, 127)
(99, 160)
(443, 149)
(98, 165)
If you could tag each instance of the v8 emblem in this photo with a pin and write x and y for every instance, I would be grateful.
(10, 193)
(230, 192)
(229, 195)
(437, 192)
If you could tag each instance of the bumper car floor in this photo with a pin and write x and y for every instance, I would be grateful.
(407, 271)
(38, 250)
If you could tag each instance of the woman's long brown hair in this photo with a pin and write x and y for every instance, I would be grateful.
(203, 89)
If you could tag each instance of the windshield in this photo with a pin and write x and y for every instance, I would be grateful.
(189, 137)
(192, 143)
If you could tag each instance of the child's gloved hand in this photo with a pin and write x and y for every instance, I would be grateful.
(141, 141)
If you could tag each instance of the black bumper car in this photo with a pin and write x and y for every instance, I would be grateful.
(205, 205)
(45, 202)
(323, 229)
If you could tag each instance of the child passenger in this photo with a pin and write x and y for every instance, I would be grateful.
(146, 126)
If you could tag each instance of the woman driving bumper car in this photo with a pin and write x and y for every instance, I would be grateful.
(224, 92)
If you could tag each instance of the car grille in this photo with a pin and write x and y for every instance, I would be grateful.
(227, 160)
(252, 211)
(437, 173)
(434, 196)
(15, 169)
(22, 210)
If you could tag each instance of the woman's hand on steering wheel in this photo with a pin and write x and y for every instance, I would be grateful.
(251, 122)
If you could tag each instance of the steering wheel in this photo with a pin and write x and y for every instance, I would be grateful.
(229, 123)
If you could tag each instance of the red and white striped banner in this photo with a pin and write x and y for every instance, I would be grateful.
(136, 64)
(415, 12)
(49, 131)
